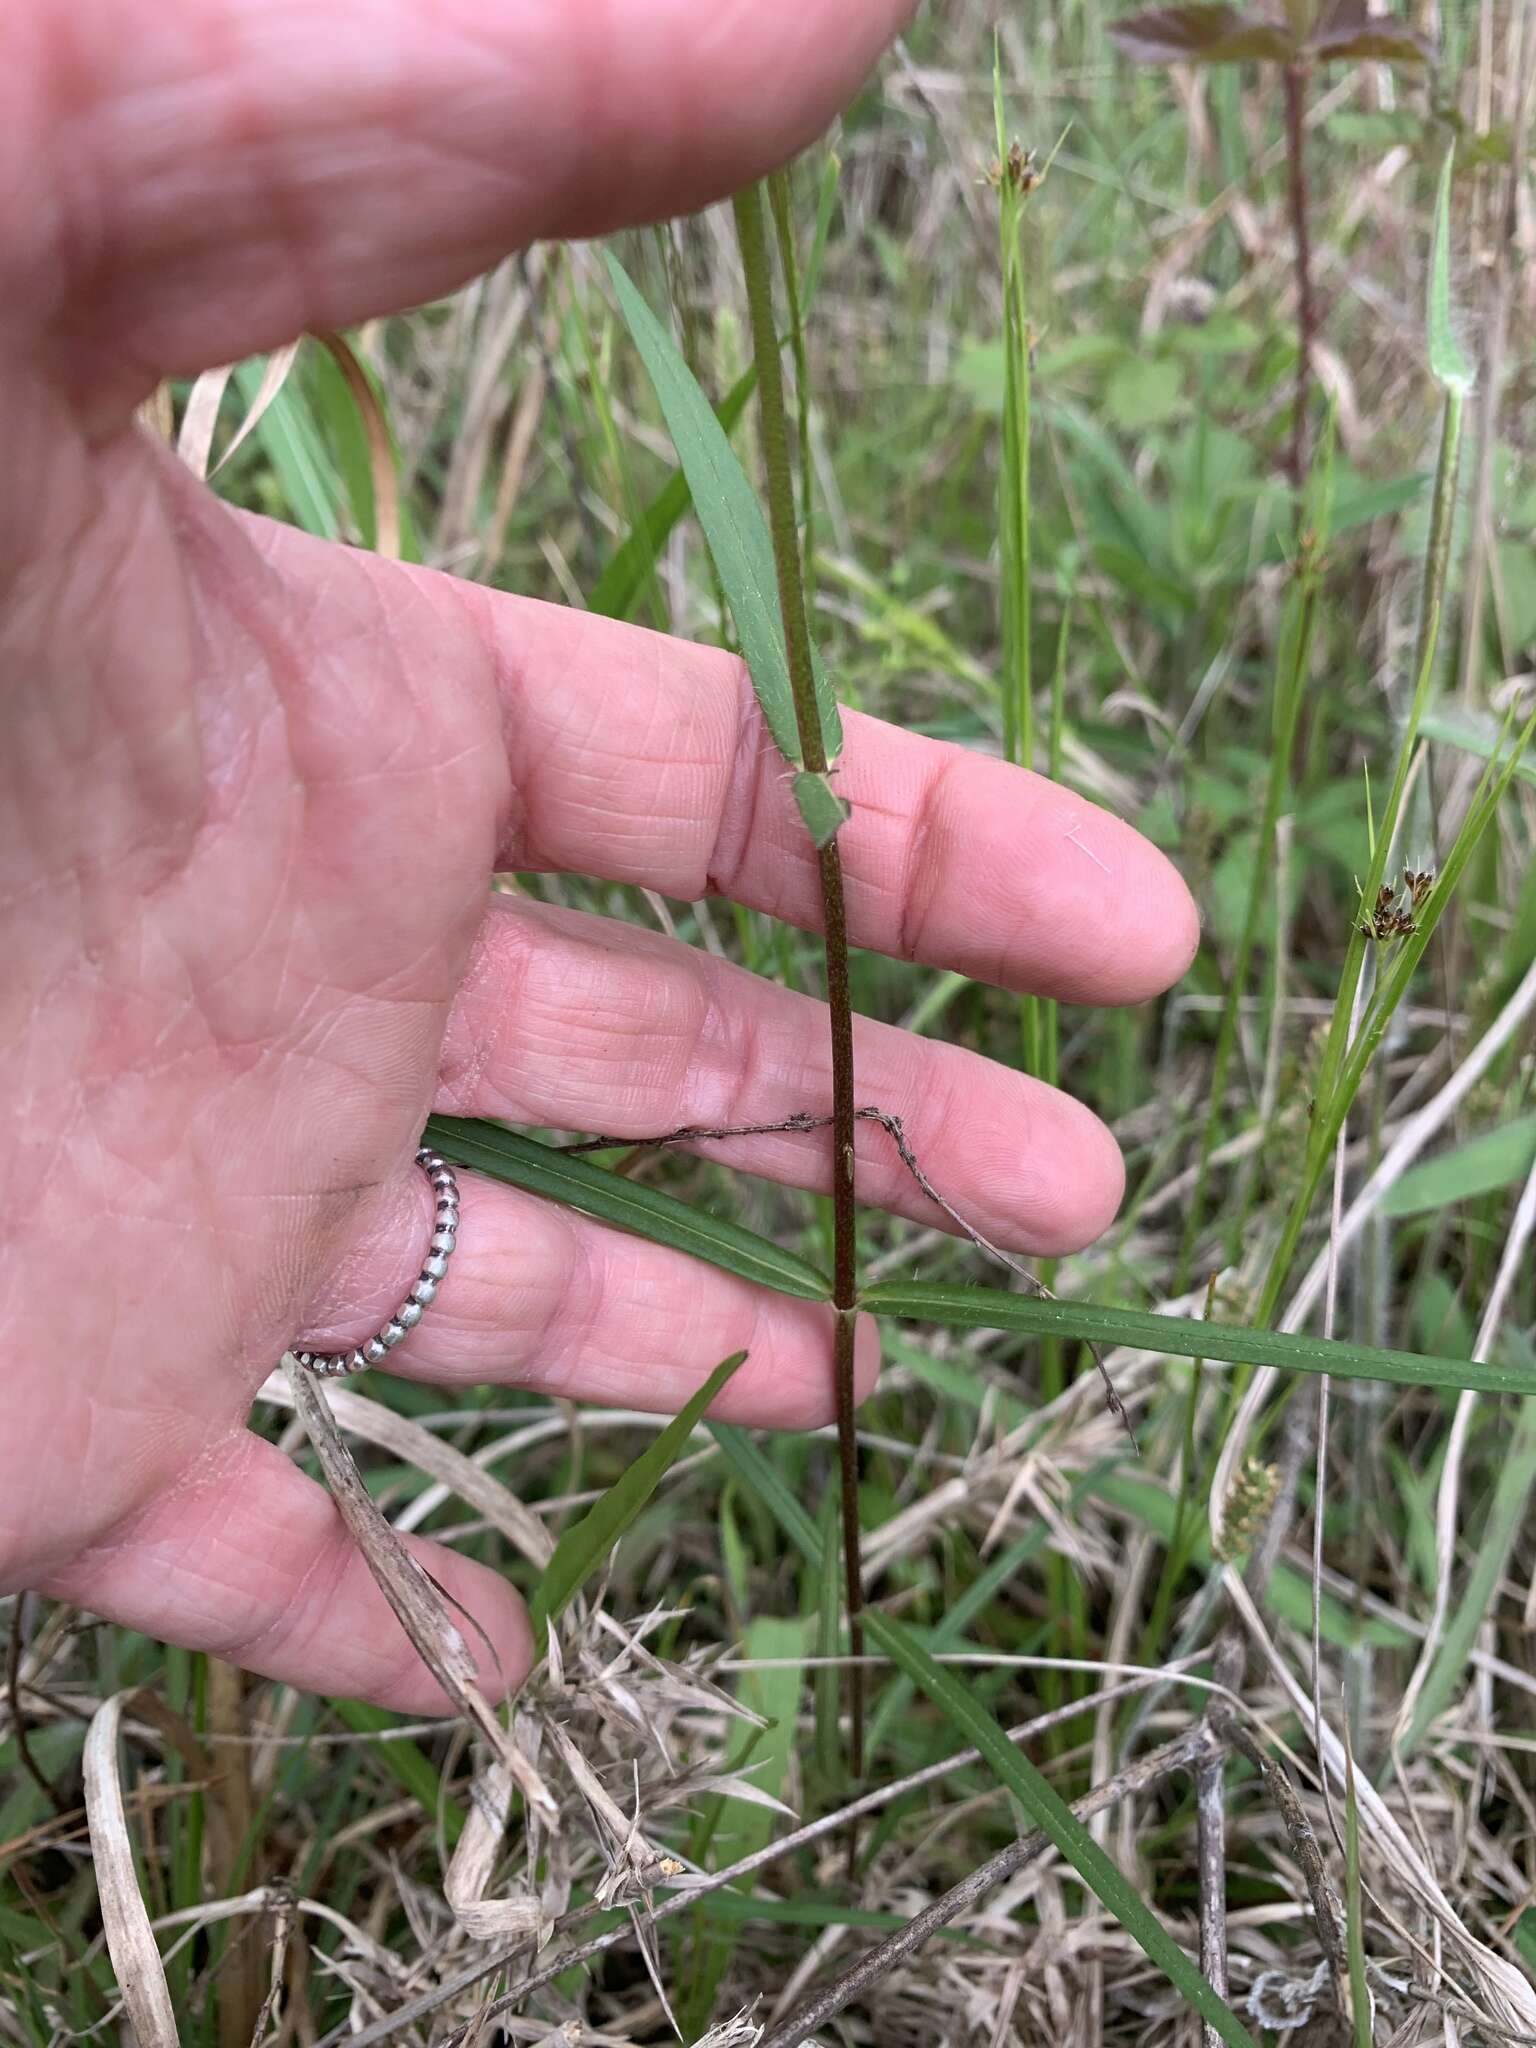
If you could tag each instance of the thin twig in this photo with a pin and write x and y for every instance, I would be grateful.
(1211, 1828)
(895, 1130)
(1327, 1910)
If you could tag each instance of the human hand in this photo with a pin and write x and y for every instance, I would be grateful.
(254, 787)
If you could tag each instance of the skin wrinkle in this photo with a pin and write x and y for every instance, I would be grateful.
(738, 807)
(916, 899)
(669, 1036)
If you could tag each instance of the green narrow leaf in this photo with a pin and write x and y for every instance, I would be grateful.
(292, 443)
(733, 523)
(1359, 1988)
(336, 411)
(545, 1170)
(753, 1468)
(826, 199)
(1050, 1813)
(1448, 361)
(760, 1753)
(983, 1308)
(824, 811)
(897, 1696)
(586, 1543)
(620, 583)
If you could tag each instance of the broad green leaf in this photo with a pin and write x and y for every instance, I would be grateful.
(1448, 361)
(825, 813)
(1201, 35)
(546, 1170)
(584, 1546)
(733, 523)
(621, 582)
(1496, 1159)
(1144, 392)
(984, 1308)
(1055, 1819)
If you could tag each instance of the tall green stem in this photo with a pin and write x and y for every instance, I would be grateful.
(1290, 680)
(774, 429)
(1015, 179)
(1343, 1066)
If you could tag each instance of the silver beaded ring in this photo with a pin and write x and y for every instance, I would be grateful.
(332, 1365)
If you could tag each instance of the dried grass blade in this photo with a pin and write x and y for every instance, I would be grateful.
(125, 1918)
(417, 1602)
(474, 1860)
(273, 378)
(194, 439)
(408, 1441)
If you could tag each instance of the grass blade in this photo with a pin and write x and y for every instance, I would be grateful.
(983, 1308)
(618, 588)
(754, 1469)
(293, 445)
(587, 1543)
(1051, 1814)
(733, 525)
(545, 1170)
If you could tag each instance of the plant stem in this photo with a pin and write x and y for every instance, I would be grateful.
(774, 430)
(1290, 688)
(1341, 1072)
(1301, 243)
(783, 228)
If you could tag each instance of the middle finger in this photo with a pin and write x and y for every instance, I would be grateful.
(576, 1023)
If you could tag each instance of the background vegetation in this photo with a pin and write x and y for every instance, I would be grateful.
(1293, 1636)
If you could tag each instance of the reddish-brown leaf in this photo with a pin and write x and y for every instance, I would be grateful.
(1346, 30)
(1202, 35)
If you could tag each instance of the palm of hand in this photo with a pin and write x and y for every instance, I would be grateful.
(256, 786)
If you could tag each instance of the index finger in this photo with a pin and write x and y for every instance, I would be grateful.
(188, 181)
